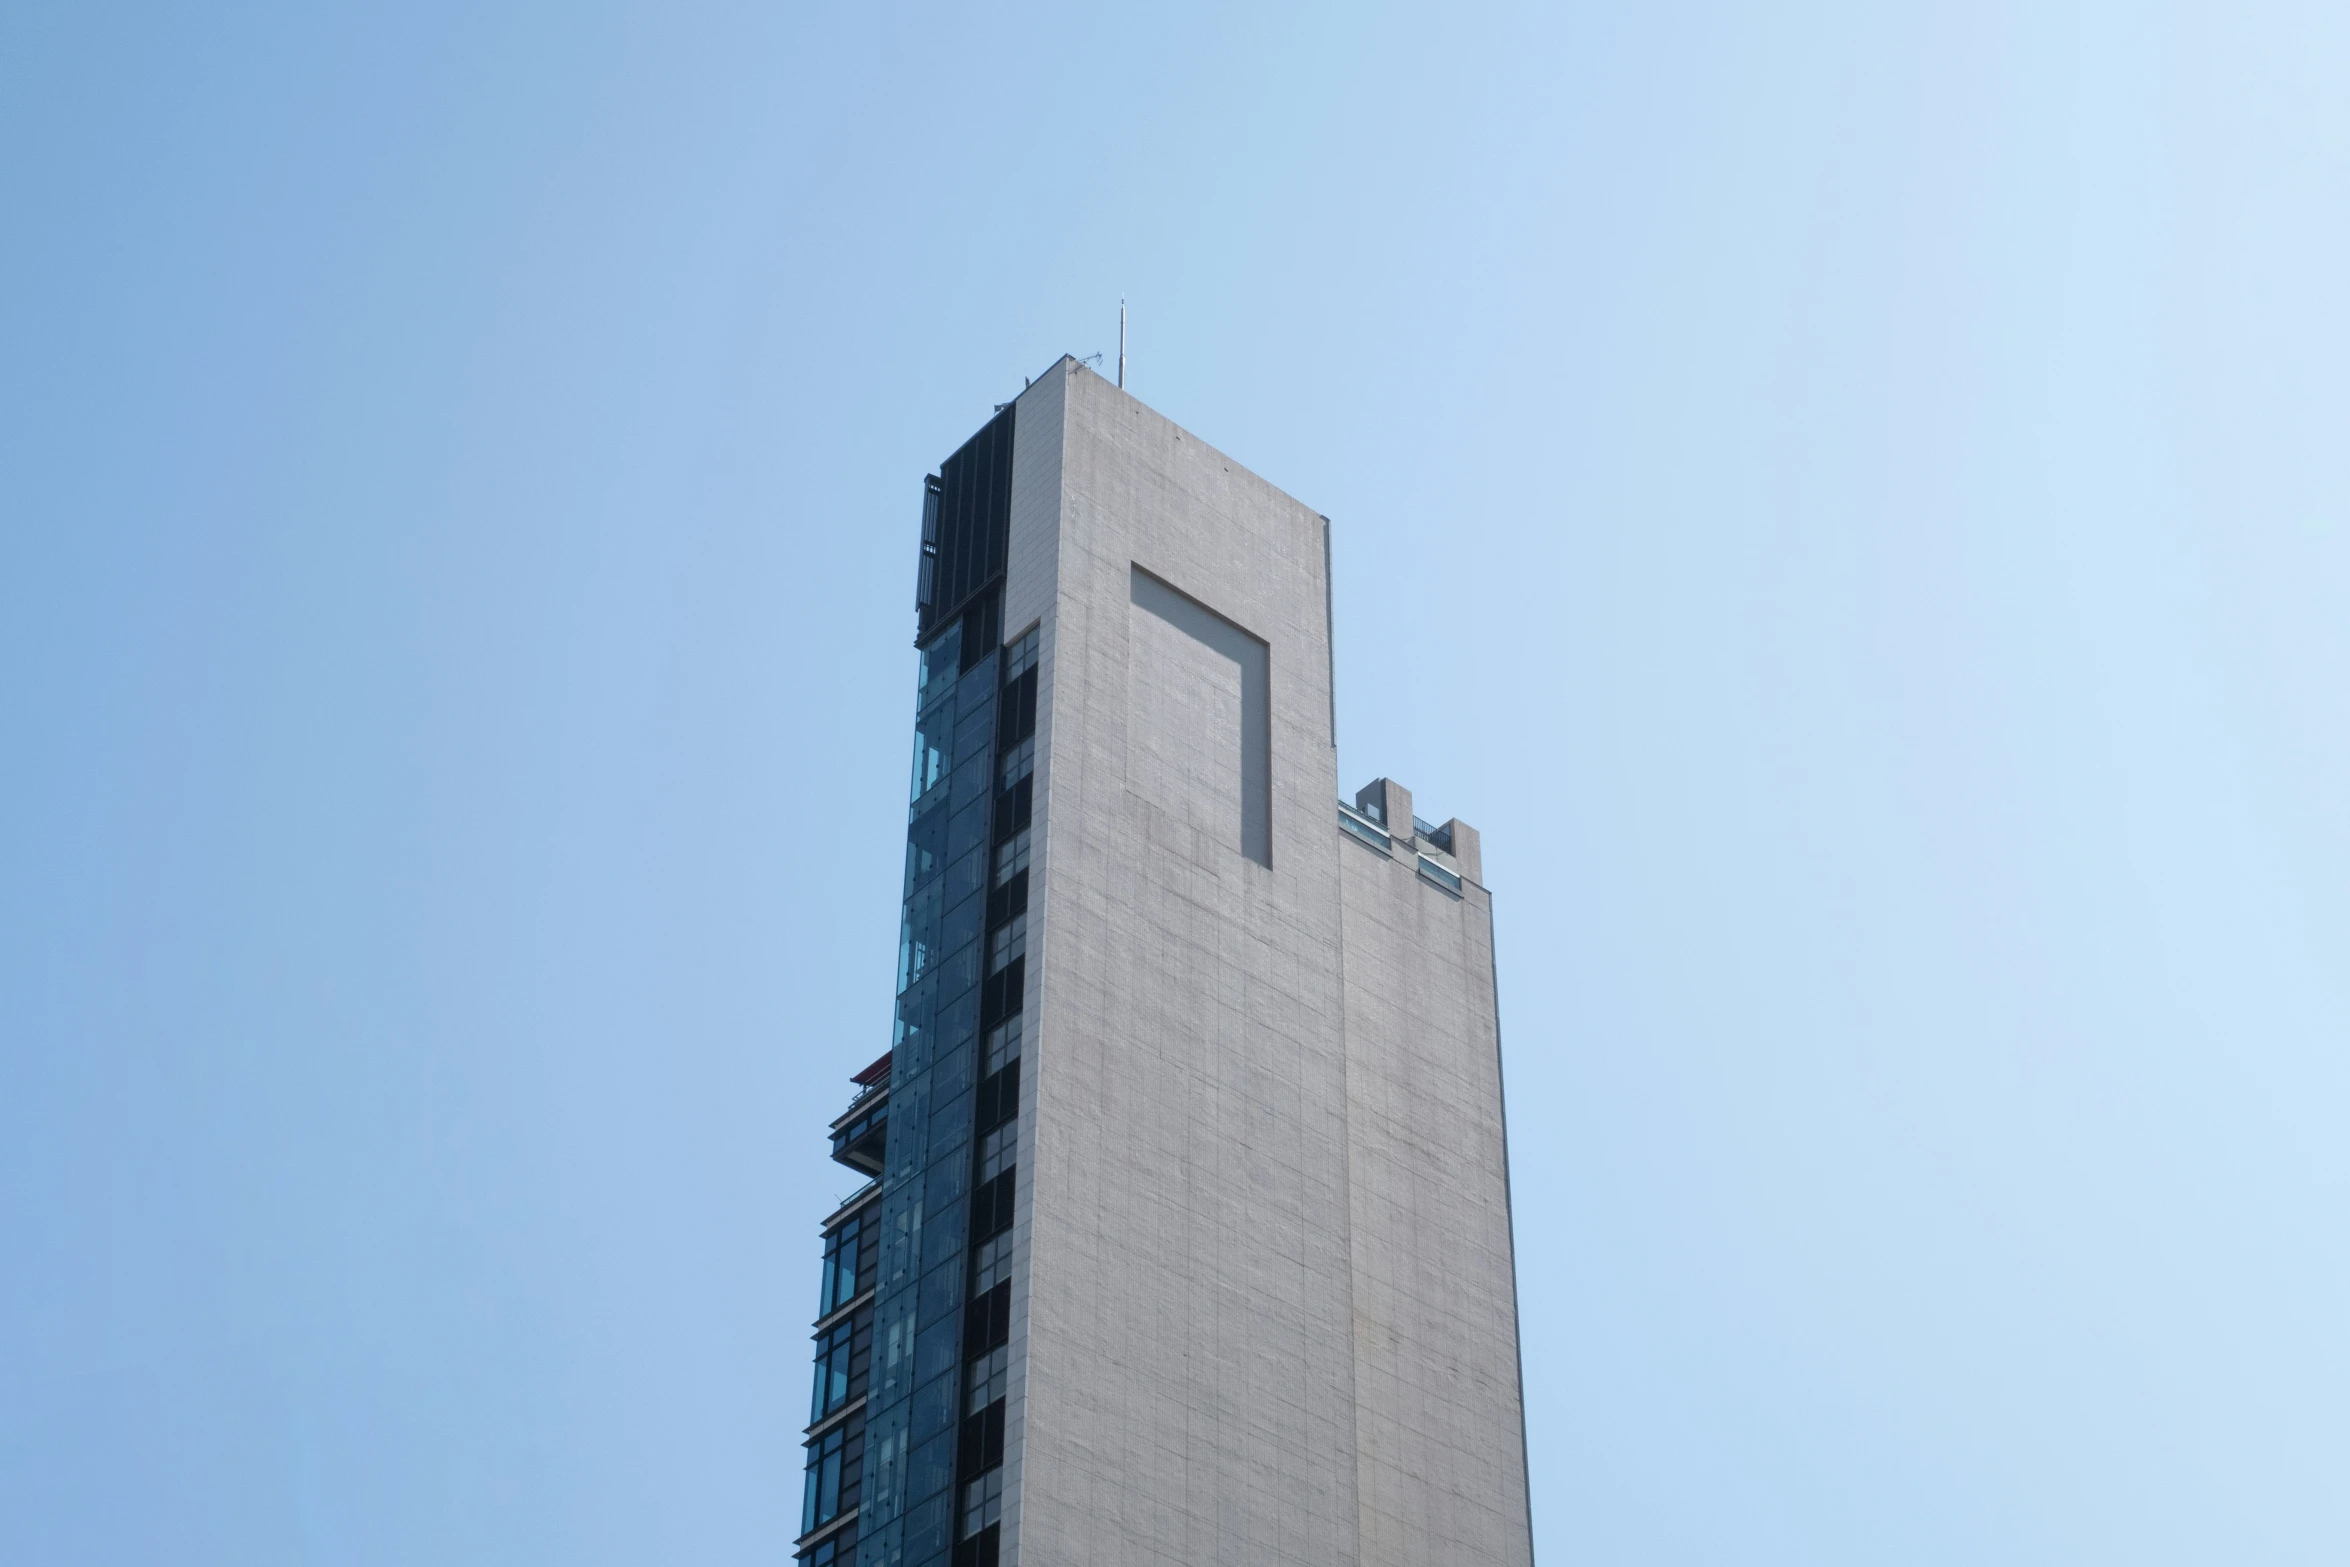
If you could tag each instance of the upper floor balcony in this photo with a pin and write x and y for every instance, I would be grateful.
(860, 1136)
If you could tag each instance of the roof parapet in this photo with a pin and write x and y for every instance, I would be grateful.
(1389, 804)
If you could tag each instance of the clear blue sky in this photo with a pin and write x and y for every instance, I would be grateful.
(1853, 502)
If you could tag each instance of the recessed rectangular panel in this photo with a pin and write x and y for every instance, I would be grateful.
(1199, 741)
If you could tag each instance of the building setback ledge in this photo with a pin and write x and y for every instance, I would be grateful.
(818, 1536)
(837, 1417)
(856, 1199)
(851, 1309)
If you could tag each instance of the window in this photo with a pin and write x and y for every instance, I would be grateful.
(930, 753)
(991, 1206)
(1011, 857)
(979, 1446)
(994, 1264)
(1363, 829)
(1007, 943)
(998, 1098)
(840, 1267)
(986, 1380)
(983, 1502)
(918, 935)
(822, 1498)
(987, 1318)
(926, 847)
(1020, 658)
(997, 1151)
(1019, 762)
(1016, 716)
(835, 1550)
(1438, 874)
(834, 1351)
(942, 662)
(1003, 1044)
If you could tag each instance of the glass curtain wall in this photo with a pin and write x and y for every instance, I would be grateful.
(887, 1467)
(915, 1392)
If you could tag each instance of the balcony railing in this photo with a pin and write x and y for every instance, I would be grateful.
(865, 1096)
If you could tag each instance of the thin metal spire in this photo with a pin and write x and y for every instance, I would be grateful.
(1121, 345)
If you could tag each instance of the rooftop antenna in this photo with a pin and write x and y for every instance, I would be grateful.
(1121, 345)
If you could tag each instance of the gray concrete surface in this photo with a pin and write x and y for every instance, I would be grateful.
(1262, 1302)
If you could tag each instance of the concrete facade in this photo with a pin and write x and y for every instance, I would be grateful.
(1263, 1301)
(1440, 1453)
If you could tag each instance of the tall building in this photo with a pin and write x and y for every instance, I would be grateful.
(1188, 1238)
